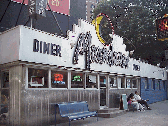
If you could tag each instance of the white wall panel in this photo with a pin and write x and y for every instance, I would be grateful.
(10, 40)
(9, 45)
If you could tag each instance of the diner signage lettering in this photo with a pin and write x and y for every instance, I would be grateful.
(136, 67)
(97, 54)
(49, 48)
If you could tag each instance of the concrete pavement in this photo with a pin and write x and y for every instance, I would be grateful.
(158, 116)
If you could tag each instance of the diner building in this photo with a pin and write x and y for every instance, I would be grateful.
(39, 68)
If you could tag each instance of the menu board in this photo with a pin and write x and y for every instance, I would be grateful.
(124, 99)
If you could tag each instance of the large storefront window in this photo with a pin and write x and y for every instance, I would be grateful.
(77, 80)
(59, 79)
(153, 84)
(119, 82)
(146, 83)
(113, 81)
(91, 81)
(134, 83)
(123, 82)
(158, 84)
(102, 81)
(37, 78)
(128, 83)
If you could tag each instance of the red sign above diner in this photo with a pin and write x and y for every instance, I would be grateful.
(162, 28)
(61, 6)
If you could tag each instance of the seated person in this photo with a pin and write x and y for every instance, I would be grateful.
(132, 101)
(140, 100)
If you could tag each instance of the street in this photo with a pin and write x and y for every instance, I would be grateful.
(158, 116)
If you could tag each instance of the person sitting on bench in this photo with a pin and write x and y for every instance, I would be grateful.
(132, 101)
(141, 101)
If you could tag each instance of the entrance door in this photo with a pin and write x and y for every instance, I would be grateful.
(103, 83)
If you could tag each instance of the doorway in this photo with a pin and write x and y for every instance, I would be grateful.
(103, 86)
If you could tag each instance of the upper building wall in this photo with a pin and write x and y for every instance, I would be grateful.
(37, 46)
(9, 45)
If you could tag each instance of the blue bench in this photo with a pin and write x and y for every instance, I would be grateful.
(74, 111)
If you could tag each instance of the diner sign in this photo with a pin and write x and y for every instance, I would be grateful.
(49, 48)
(95, 54)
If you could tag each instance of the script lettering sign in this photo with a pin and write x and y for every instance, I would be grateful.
(98, 55)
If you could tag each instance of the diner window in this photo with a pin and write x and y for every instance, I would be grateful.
(146, 83)
(164, 85)
(91, 81)
(5, 80)
(77, 80)
(134, 83)
(113, 81)
(128, 83)
(59, 79)
(102, 81)
(119, 82)
(37, 78)
(122, 82)
(158, 85)
(153, 83)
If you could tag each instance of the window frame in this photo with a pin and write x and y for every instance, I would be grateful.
(86, 80)
(119, 81)
(136, 81)
(51, 79)
(27, 76)
(113, 76)
(146, 83)
(153, 83)
(124, 83)
(130, 79)
(159, 85)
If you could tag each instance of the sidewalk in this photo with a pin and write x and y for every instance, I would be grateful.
(158, 116)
